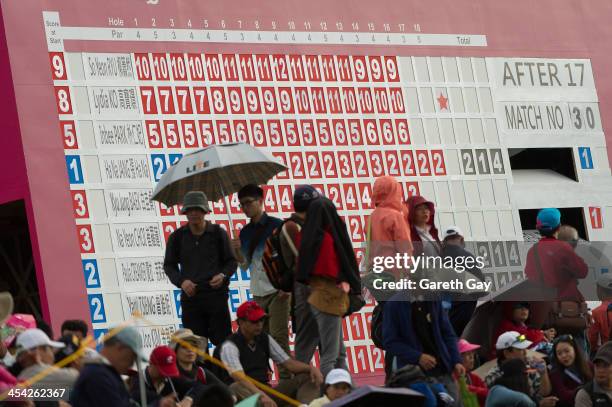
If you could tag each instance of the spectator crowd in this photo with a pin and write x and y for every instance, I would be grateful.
(304, 276)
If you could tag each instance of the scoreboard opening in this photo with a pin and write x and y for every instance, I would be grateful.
(17, 273)
(558, 160)
(569, 216)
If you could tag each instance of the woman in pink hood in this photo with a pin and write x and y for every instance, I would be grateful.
(389, 232)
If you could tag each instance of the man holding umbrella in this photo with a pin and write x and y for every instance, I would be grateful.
(206, 264)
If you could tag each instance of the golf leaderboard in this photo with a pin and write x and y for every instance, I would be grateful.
(489, 123)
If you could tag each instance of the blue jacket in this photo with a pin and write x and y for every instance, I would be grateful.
(99, 385)
(400, 339)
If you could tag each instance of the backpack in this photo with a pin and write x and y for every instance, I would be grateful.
(281, 275)
(598, 399)
(376, 325)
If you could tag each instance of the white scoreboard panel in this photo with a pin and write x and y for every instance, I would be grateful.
(133, 95)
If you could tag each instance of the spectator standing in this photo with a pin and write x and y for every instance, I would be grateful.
(100, 383)
(423, 231)
(560, 267)
(463, 306)
(304, 320)
(203, 251)
(419, 333)
(328, 265)
(598, 392)
(512, 345)
(570, 370)
(247, 353)
(599, 331)
(249, 249)
(511, 389)
(338, 384)
(474, 383)
(389, 233)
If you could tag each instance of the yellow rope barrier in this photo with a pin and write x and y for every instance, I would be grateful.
(87, 341)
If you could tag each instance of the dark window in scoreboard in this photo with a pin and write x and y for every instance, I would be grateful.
(559, 160)
(576, 217)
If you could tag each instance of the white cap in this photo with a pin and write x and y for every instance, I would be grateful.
(452, 231)
(338, 376)
(512, 339)
(33, 338)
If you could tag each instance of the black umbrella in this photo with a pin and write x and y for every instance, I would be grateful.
(367, 396)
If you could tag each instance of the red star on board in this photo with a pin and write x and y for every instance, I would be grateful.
(442, 101)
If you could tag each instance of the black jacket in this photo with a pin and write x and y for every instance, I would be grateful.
(99, 385)
(182, 386)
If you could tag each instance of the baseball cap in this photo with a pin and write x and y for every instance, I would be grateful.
(303, 196)
(338, 376)
(604, 354)
(512, 339)
(548, 219)
(33, 338)
(521, 304)
(251, 311)
(465, 346)
(452, 231)
(195, 199)
(130, 337)
(164, 359)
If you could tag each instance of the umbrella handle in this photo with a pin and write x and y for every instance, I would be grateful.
(229, 211)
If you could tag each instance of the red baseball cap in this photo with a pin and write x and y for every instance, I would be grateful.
(250, 310)
(164, 359)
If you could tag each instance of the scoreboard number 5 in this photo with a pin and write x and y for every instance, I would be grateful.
(69, 135)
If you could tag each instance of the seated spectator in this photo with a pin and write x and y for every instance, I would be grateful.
(71, 345)
(599, 331)
(570, 370)
(36, 351)
(475, 384)
(516, 318)
(186, 358)
(512, 345)
(217, 396)
(100, 383)
(338, 384)
(511, 389)
(162, 380)
(75, 327)
(247, 353)
(79, 329)
(598, 392)
(417, 332)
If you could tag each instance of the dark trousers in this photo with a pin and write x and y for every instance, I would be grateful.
(207, 315)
